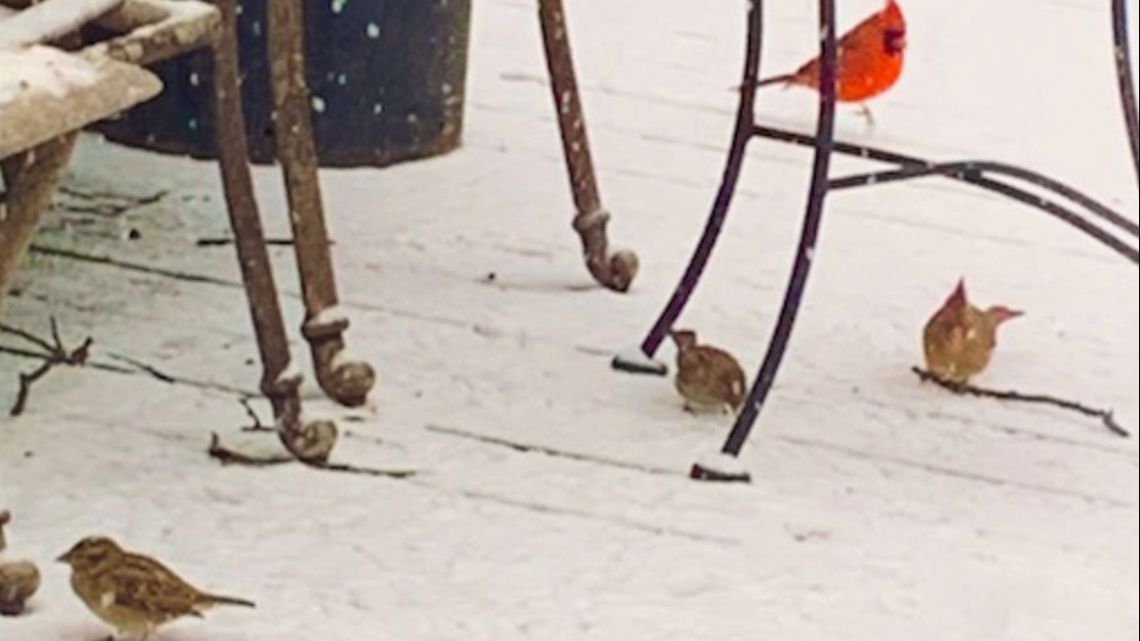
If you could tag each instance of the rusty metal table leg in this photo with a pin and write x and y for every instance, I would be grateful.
(30, 178)
(614, 270)
(280, 379)
(346, 381)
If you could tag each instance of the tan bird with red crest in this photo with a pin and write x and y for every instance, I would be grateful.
(959, 339)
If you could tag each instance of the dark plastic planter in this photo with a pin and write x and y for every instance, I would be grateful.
(387, 79)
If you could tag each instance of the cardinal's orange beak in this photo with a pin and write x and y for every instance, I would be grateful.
(1001, 314)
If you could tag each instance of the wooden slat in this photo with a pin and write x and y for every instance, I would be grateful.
(49, 20)
(45, 92)
(149, 31)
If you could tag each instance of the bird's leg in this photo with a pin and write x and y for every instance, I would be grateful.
(689, 408)
(865, 111)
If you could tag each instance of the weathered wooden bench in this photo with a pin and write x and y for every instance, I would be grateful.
(47, 94)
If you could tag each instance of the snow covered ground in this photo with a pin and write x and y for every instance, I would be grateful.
(881, 509)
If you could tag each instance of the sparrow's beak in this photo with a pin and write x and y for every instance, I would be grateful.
(64, 558)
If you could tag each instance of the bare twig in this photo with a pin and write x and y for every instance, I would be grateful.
(256, 425)
(1106, 416)
(92, 364)
(56, 354)
(26, 335)
(137, 368)
(227, 456)
(26, 381)
(149, 369)
(146, 369)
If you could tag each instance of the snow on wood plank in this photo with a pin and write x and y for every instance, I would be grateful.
(49, 20)
(45, 92)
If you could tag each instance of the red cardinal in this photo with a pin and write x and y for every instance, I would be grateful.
(870, 59)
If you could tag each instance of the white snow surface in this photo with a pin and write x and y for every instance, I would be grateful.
(880, 509)
(42, 70)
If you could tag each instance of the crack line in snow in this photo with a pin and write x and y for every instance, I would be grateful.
(541, 508)
(556, 453)
(190, 277)
(957, 473)
(969, 421)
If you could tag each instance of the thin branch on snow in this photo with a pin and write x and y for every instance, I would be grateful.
(1106, 416)
(154, 372)
(145, 369)
(91, 364)
(56, 354)
(227, 456)
(137, 368)
(256, 425)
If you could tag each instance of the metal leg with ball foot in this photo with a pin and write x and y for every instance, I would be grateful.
(345, 380)
(280, 381)
(612, 269)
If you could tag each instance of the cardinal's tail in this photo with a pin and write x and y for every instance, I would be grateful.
(785, 80)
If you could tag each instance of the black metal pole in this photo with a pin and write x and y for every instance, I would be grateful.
(1124, 76)
(805, 252)
(742, 134)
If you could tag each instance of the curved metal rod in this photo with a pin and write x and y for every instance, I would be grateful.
(1046, 205)
(801, 268)
(1124, 76)
(1062, 213)
(742, 134)
(990, 184)
(977, 168)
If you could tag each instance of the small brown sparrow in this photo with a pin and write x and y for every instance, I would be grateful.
(134, 593)
(959, 339)
(19, 580)
(707, 377)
